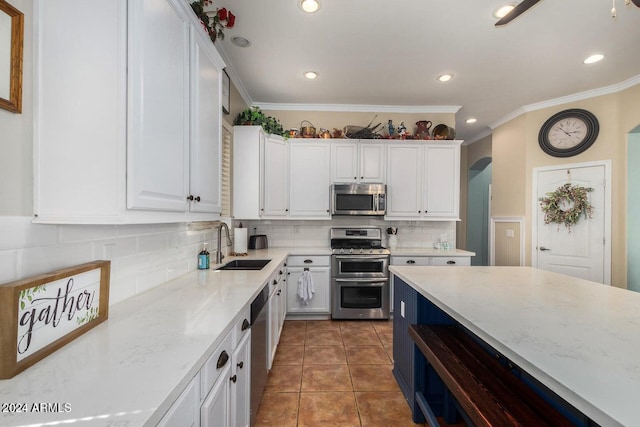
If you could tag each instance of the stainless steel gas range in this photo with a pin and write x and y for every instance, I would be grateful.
(359, 274)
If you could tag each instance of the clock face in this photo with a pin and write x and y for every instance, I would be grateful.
(568, 133)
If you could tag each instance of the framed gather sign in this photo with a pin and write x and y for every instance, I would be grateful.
(40, 314)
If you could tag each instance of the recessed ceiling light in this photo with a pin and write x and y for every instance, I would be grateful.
(593, 59)
(309, 6)
(240, 41)
(445, 77)
(502, 12)
(311, 74)
(471, 120)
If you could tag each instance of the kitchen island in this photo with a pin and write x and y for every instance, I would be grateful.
(578, 339)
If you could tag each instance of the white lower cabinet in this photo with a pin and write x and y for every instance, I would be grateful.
(241, 383)
(277, 306)
(185, 412)
(219, 395)
(319, 267)
(215, 410)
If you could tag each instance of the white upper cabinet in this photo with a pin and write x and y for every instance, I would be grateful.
(276, 177)
(357, 161)
(158, 148)
(309, 180)
(206, 128)
(248, 153)
(118, 134)
(423, 181)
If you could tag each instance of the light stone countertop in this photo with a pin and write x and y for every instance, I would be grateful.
(430, 252)
(128, 370)
(579, 338)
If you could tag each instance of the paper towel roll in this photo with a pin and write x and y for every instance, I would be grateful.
(240, 240)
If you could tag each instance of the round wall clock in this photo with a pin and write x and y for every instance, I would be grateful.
(568, 132)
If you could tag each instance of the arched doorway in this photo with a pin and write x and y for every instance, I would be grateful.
(478, 211)
(633, 206)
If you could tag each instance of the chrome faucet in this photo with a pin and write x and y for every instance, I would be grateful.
(219, 255)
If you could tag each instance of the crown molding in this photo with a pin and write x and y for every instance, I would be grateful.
(360, 108)
(606, 90)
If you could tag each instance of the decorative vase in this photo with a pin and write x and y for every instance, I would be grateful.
(393, 241)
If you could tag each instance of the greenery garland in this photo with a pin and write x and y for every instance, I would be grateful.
(552, 204)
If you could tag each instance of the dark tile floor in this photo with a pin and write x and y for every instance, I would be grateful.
(334, 373)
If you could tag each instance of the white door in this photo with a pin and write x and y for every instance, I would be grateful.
(582, 251)
(404, 181)
(276, 177)
(441, 191)
(372, 161)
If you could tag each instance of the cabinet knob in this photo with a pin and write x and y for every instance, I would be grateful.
(288, 273)
(362, 177)
(419, 211)
(355, 177)
(279, 292)
(197, 198)
(190, 197)
(240, 365)
(234, 378)
(286, 210)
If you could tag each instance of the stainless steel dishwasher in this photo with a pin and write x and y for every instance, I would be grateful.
(259, 325)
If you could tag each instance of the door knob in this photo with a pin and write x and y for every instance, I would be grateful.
(542, 248)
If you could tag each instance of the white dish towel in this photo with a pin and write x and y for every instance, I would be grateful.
(305, 287)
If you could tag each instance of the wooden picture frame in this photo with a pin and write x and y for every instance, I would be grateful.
(226, 92)
(43, 313)
(11, 49)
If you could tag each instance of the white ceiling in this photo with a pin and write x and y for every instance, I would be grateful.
(387, 54)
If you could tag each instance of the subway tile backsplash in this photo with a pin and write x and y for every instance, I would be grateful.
(144, 256)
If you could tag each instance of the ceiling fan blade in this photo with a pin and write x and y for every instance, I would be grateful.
(519, 10)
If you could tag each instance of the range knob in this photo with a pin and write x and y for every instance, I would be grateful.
(351, 250)
(361, 250)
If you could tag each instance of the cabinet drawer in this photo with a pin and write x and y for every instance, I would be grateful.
(453, 261)
(214, 366)
(410, 260)
(242, 326)
(309, 261)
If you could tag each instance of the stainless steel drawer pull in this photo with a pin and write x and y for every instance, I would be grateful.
(308, 261)
(245, 325)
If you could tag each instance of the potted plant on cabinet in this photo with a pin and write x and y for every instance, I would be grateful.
(254, 116)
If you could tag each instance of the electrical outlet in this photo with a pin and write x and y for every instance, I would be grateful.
(509, 233)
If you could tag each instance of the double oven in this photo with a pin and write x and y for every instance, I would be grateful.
(359, 274)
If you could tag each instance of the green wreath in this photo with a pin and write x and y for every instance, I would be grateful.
(552, 203)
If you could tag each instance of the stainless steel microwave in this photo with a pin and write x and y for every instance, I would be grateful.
(358, 199)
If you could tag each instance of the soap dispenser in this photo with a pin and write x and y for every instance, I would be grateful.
(203, 258)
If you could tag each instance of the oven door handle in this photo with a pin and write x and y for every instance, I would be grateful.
(363, 281)
(356, 258)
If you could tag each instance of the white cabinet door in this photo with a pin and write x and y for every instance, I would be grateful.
(321, 301)
(404, 182)
(248, 144)
(344, 162)
(215, 410)
(185, 412)
(206, 135)
(273, 331)
(371, 162)
(309, 180)
(441, 197)
(158, 128)
(79, 112)
(241, 383)
(355, 162)
(276, 177)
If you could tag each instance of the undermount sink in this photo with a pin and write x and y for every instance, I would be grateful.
(245, 264)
